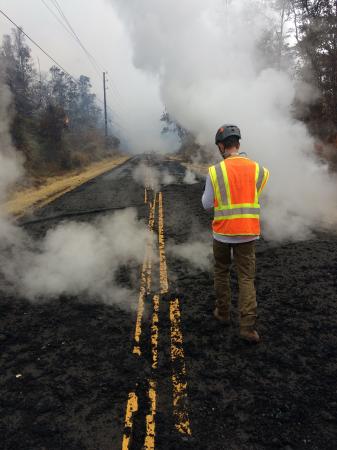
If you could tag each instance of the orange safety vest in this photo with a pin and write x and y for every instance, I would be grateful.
(237, 183)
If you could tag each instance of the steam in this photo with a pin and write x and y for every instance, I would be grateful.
(11, 165)
(78, 259)
(197, 253)
(190, 177)
(211, 72)
(151, 177)
(168, 178)
(11, 169)
(146, 176)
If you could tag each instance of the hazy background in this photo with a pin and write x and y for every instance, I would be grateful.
(213, 69)
(104, 35)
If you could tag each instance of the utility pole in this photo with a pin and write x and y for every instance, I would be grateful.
(105, 114)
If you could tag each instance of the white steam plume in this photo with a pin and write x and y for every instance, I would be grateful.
(167, 178)
(151, 177)
(78, 259)
(11, 168)
(190, 177)
(210, 73)
(197, 253)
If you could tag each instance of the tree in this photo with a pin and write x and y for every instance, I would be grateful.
(56, 121)
(274, 48)
(20, 75)
(51, 132)
(88, 114)
(172, 126)
(316, 34)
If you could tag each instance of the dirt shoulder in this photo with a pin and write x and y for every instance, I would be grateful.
(34, 197)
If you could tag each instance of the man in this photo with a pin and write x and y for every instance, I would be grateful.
(233, 188)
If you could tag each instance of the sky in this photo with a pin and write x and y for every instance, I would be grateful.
(103, 34)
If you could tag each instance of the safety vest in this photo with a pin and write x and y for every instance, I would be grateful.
(237, 183)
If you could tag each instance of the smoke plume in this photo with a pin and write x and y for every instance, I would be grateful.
(208, 60)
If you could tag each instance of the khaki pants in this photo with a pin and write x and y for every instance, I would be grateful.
(244, 258)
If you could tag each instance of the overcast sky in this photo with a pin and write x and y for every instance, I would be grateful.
(105, 37)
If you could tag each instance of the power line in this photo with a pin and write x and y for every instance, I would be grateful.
(52, 59)
(91, 58)
(44, 51)
(37, 45)
(67, 27)
(97, 66)
(56, 17)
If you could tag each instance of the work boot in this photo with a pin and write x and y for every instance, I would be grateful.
(250, 335)
(224, 319)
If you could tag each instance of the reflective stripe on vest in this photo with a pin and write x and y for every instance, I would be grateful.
(237, 185)
(262, 179)
(220, 189)
(227, 213)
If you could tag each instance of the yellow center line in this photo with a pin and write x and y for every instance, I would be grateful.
(155, 331)
(151, 227)
(162, 257)
(150, 418)
(140, 310)
(149, 443)
(180, 412)
(145, 285)
(145, 282)
(131, 408)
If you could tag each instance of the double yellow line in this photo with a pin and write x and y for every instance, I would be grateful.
(145, 281)
(179, 383)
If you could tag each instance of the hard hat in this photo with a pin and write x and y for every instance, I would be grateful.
(225, 131)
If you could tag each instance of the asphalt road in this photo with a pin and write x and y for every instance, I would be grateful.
(96, 376)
